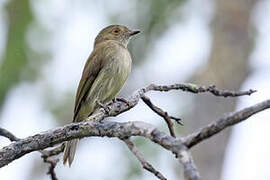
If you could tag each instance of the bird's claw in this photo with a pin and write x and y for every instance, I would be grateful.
(120, 99)
(104, 106)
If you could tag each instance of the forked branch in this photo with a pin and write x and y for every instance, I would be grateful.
(94, 126)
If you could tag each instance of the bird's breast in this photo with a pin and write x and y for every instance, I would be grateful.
(122, 66)
(124, 63)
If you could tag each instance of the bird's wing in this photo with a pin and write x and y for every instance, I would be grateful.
(91, 70)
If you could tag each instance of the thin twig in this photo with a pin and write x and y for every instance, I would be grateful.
(161, 113)
(224, 122)
(118, 107)
(143, 162)
(54, 151)
(46, 155)
(7, 134)
(193, 88)
(53, 163)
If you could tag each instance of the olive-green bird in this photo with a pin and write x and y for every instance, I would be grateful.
(104, 74)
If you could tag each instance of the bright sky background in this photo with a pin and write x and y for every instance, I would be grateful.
(73, 34)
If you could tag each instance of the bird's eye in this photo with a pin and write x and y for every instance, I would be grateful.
(116, 31)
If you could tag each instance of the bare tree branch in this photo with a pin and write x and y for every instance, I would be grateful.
(111, 129)
(144, 163)
(228, 120)
(120, 106)
(193, 88)
(86, 129)
(45, 154)
(190, 170)
(162, 113)
(94, 126)
(75, 130)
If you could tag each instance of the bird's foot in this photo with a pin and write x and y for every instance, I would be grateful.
(121, 100)
(104, 106)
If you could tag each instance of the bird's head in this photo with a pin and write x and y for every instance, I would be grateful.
(118, 33)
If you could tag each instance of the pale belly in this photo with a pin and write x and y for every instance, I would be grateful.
(106, 86)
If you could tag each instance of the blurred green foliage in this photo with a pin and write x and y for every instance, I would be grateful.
(153, 17)
(15, 60)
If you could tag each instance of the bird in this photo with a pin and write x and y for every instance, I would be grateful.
(105, 72)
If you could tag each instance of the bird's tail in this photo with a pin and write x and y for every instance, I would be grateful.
(69, 151)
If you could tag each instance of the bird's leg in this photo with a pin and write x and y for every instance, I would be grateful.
(106, 108)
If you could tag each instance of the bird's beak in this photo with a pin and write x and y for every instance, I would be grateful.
(132, 33)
